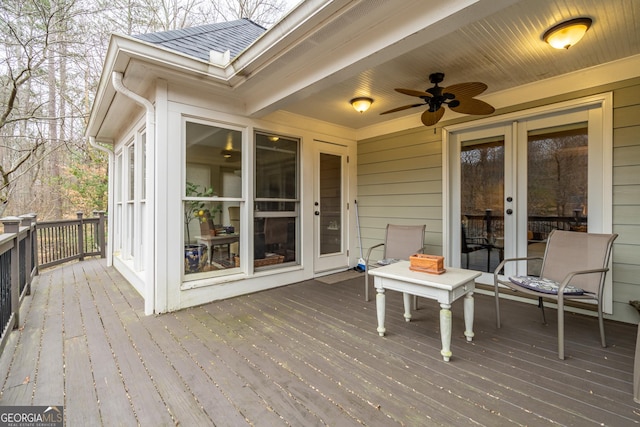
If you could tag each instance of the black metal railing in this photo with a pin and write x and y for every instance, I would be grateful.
(538, 227)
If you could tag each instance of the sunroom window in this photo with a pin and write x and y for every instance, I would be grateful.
(276, 203)
(212, 199)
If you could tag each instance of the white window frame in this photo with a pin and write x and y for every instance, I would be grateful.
(196, 280)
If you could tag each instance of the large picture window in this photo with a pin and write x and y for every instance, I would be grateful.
(212, 199)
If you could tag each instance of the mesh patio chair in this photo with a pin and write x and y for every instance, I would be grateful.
(401, 241)
(574, 267)
(469, 245)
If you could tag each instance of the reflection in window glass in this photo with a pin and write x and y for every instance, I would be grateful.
(143, 166)
(331, 202)
(213, 156)
(131, 194)
(276, 201)
(482, 203)
(132, 172)
(211, 220)
(557, 188)
(557, 179)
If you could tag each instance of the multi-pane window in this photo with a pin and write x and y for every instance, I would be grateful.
(131, 195)
(276, 202)
(212, 198)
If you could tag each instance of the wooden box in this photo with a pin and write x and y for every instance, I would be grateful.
(433, 264)
(269, 259)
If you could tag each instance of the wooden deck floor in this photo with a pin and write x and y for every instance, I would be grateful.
(304, 355)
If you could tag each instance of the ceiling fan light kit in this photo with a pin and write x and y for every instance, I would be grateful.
(566, 34)
(458, 97)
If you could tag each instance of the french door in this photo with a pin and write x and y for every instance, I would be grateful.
(512, 182)
(483, 220)
(330, 207)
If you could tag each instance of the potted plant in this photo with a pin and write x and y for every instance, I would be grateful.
(194, 209)
(195, 255)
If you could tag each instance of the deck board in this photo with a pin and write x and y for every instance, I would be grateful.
(305, 354)
(109, 387)
(50, 373)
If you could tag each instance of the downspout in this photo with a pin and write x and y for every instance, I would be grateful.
(110, 155)
(150, 259)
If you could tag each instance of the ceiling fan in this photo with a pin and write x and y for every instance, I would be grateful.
(459, 98)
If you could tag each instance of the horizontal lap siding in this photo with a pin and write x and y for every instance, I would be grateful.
(626, 200)
(400, 182)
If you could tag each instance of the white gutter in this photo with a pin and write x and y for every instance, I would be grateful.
(149, 232)
(116, 79)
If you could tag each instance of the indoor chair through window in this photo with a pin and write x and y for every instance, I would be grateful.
(401, 241)
(573, 268)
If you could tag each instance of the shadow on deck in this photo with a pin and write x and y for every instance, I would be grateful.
(302, 355)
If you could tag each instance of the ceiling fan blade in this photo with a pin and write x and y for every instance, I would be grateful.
(430, 119)
(466, 90)
(402, 108)
(473, 106)
(412, 92)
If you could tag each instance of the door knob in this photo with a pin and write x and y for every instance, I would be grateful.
(509, 211)
(317, 212)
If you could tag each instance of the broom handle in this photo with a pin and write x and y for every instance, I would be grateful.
(358, 225)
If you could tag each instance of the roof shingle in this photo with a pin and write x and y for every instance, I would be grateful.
(234, 36)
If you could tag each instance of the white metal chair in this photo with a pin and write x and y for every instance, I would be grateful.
(574, 267)
(401, 241)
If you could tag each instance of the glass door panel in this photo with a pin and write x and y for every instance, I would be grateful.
(331, 202)
(557, 185)
(482, 177)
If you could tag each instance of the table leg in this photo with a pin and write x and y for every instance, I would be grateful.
(380, 307)
(407, 306)
(468, 316)
(445, 331)
(208, 245)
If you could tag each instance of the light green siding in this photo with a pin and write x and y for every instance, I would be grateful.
(400, 182)
(626, 200)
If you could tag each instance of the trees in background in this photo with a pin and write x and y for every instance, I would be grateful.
(51, 55)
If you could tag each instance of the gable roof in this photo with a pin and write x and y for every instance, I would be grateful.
(234, 36)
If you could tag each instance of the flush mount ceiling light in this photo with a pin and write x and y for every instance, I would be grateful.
(568, 33)
(361, 104)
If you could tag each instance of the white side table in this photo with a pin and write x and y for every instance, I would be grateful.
(444, 288)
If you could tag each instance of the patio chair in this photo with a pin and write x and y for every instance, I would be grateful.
(400, 242)
(573, 268)
(469, 245)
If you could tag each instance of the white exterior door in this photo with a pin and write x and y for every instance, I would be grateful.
(330, 219)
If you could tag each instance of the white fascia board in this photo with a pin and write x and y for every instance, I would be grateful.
(105, 91)
(124, 49)
(288, 33)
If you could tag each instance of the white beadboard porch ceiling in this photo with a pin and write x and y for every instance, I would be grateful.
(503, 50)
